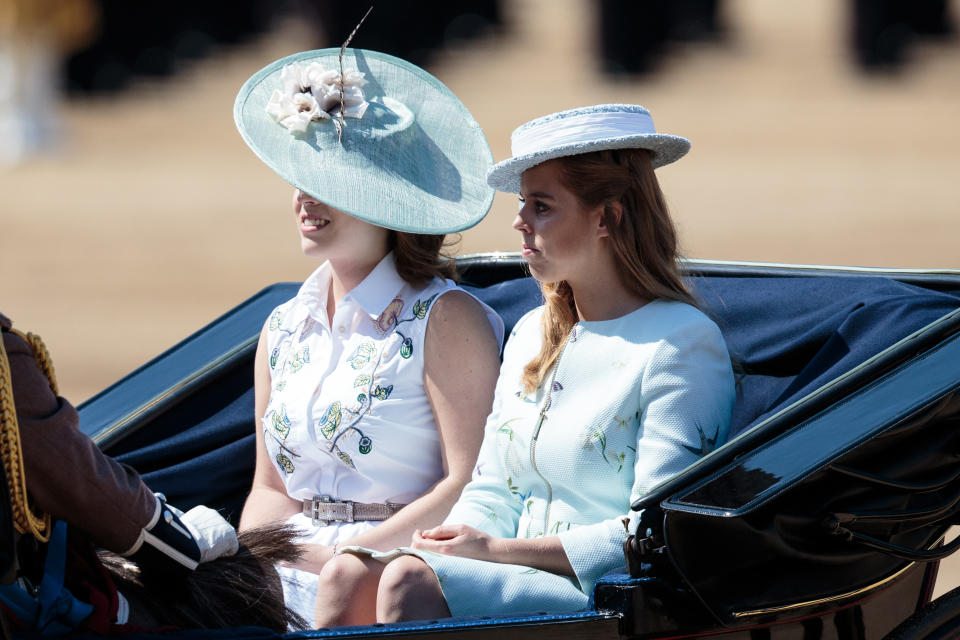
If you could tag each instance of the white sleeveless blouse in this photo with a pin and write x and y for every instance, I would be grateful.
(348, 415)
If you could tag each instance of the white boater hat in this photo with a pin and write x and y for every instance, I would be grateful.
(582, 130)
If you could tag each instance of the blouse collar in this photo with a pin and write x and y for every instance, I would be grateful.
(373, 294)
(379, 288)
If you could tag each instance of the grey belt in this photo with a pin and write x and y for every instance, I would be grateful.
(322, 510)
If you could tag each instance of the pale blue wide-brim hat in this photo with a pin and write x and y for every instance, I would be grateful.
(414, 160)
(576, 131)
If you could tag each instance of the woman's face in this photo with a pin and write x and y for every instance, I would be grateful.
(331, 234)
(560, 237)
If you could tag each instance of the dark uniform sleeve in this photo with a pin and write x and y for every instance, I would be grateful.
(67, 474)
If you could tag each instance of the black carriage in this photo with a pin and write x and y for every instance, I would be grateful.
(823, 517)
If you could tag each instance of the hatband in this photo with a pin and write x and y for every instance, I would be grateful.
(579, 129)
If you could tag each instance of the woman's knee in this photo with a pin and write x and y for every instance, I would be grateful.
(409, 590)
(346, 590)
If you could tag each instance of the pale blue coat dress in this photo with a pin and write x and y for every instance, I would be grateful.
(631, 402)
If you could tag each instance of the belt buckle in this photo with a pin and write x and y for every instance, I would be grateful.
(335, 506)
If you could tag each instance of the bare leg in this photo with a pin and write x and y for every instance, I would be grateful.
(347, 591)
(409, 590)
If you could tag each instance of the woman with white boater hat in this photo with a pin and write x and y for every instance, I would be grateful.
(616, 383)
(372, 384)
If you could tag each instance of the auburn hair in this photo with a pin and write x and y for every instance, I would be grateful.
(419, 258)
(642, 238)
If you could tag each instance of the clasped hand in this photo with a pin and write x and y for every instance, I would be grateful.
(457, 540)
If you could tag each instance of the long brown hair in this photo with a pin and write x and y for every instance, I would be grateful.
(643, 240)
(419, 258)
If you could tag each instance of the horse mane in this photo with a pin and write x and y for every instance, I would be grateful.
(231, 591)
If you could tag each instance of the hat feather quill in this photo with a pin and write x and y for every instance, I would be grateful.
(339, 121)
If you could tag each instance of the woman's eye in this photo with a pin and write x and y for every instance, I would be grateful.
(540, 208)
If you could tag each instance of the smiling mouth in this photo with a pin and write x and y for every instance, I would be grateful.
(314, 222)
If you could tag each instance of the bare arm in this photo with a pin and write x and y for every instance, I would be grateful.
(546, 554)
(461, 364)
(268, 500)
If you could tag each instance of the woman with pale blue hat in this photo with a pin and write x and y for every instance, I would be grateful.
(612, 386)
(372, 384)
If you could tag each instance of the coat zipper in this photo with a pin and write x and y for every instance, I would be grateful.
(536, 434)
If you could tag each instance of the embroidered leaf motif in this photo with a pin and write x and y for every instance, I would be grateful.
(618, 458)
(361, 380)
(275, 320)
(280, 421)
(529, 572)
(285, 464)
(528, 505)
(330, 420)
(622, 423)
(491, 514)
(382, 393)
(345, 459)
(362, 355)
(281, 385)
(507, 430)
(406, 349)
(420, 308)
(601, 438)
(301, 358)
(361, 398)
(512, 487)
(366, 444)
(273, 357)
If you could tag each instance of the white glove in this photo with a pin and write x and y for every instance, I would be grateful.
(214, 535)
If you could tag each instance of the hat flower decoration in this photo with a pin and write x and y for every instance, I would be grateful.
(411, 159)
(311, 93)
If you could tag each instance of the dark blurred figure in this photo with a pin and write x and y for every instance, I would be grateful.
(635, 34)
(155, 38)
(883, 30)
(414, 30)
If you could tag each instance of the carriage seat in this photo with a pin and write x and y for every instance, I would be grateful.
(787, 336)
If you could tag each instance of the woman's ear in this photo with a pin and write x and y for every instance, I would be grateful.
(612, 213)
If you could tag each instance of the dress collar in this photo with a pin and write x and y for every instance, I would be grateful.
(373, 294)
(379, 288)
(313, 292)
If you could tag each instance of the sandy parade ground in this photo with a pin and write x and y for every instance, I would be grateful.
(153, 217)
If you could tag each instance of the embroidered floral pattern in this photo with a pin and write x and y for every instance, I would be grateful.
(365, 445)
(361, 380)
(330, 420)
(388, 318)
(280, 421)
(345, 458)
(275, 318)
(406, 347)
(285, 463)
(382, 393)
(300, 358)
(274, 355)
(339, 423)
(420, 308)
(362, 355)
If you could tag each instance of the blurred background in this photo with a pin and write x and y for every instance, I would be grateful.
(131, 213)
